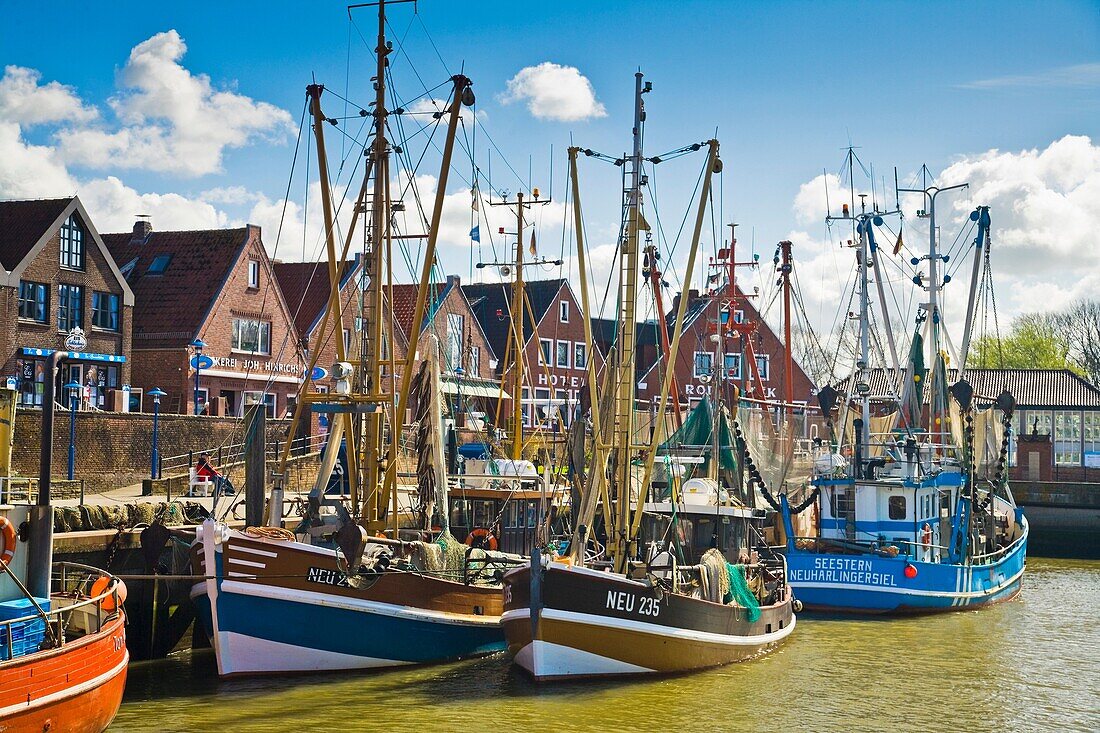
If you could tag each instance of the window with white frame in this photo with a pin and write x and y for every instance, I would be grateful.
(456, 327)
(1090, 434)
(475, 360)
(564, 347)
(267, 399)
(72, 244)
(546, 346)
(563, 311)
(526, 406)
(1067, 438)
(251, 336)
(580, 355)
(704, 363)
(763, 365)
(732, 365)
(542, 406)
(253, 274)
(347, 341)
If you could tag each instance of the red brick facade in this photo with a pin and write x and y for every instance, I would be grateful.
(103, 312)
(218, 287)
(695, 360)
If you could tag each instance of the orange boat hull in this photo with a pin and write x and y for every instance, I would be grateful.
(76, 688)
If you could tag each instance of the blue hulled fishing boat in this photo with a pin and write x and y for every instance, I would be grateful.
(911, 506)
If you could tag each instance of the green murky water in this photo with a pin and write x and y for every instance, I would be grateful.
(1031, 664)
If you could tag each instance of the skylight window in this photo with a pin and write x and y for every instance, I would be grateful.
(160, 264)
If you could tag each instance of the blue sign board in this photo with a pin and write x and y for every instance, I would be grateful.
(201, 361)
(318, 373)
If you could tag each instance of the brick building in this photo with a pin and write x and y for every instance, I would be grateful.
(554, 351)
(61, 289)
(695, 361)
(215, 286)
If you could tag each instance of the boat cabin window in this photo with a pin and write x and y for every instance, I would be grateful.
(897, 507)
(460, 513)
(845, 503)
(483, 513)
(532, 513)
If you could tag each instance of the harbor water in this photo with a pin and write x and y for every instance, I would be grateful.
(1032, 664)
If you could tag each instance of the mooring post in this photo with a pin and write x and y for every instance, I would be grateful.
(255, 467)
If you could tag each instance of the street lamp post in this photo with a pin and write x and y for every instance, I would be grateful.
(156, 393)
(74, 396)
(197, 347)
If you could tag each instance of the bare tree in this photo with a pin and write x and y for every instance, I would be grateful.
(1079, 327)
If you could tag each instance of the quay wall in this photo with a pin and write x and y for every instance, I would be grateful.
(114, 449)
(1064, 517)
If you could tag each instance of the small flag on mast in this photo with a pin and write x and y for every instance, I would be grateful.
(475, 233)
(533, 250)
(474, 195)
(898, 244)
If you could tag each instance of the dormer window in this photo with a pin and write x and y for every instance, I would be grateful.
(72, 244)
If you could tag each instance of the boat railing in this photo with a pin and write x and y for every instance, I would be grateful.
(78, 608)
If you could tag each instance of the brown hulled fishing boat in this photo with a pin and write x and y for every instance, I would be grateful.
(656, 583)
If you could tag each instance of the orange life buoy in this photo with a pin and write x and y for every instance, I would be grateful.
(110, 602)
(482, 539)
(7, 540)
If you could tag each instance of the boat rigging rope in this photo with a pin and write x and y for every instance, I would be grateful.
(270, 533)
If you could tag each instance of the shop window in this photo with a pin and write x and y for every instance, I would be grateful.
(253, 274)
(564, 348)
(105, 310)
(704, 363)
(33, 301)
(580, 355)
(70, 307)
(159, 265)
(542, 406)
(1091, 435)
(32, 382)
(252, 398)
(251, 336)
(72, 244)
(896, 507)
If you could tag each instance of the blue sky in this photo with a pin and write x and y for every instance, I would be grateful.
(788, 85)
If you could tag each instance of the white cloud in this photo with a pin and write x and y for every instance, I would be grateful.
(1082, 76)
(24, 101)
(554, 92)
(113, 206)
(1045, 212)
(30, 171)
(172, 121)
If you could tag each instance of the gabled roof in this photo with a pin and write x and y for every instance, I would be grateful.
(28, 226)
(404, 304)
(1032, 388)
(487, 299)
(305, 288)
(171, 307)
(22, 224)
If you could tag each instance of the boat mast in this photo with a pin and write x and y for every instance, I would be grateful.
(519, 301)
(370, 371)
(785, 269)
(623, 432)
(934, 257)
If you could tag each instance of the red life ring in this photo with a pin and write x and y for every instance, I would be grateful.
(481, 538)
(7, 534)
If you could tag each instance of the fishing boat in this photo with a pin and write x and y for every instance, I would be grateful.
(63, 649)
(652, 601)
(349, 588)
(913, 510)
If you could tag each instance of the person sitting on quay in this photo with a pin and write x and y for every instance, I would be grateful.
(205, 470)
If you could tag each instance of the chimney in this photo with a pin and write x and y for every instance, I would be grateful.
(142, 229)
(693, 295)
